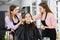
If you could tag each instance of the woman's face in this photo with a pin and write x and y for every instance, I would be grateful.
(15, 11)
(27, 17)
(41, 9)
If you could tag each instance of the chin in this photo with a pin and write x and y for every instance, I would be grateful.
(27, 21)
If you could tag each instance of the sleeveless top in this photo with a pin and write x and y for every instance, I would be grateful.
(43, 21)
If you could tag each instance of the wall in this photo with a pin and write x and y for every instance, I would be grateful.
(52, 4)
(25, 3)
(6, 6)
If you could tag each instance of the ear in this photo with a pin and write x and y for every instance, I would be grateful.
(11, 11)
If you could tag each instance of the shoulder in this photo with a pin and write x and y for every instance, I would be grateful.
(7, 17)
(50, 15)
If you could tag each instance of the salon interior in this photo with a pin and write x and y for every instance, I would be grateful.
(31, 6)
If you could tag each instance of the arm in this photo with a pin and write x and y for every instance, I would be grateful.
(37, 16)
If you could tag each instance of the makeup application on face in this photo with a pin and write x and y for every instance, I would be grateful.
(28, 17)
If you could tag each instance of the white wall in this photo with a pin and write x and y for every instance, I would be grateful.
(59, 15)
(26, 3)
(6, 6)
(37, 11)
(52, 5)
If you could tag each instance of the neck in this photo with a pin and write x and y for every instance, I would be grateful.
(44, 12)
(13, 16)
(28, 22)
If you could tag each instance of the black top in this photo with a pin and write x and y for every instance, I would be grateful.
(43, 21)
(25, 33)
(31, 34)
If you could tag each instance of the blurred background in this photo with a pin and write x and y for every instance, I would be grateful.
(31, 6)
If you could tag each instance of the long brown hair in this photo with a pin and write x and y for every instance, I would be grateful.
(45, 6)
(32, 25)
(11, 8)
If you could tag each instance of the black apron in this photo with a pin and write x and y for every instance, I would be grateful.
(51, 33)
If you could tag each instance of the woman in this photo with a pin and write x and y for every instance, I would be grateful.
(29, 29)
(48, 21)
(13, 20)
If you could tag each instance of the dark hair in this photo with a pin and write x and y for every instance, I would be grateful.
(27, 13)
(32, 25)
(11, 8)
(45, 6)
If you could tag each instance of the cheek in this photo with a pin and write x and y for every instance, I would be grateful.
(41, 10)
(25, 19)
(15, 12)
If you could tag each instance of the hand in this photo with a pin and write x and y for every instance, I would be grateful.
(11, 30)
(22, 21)
(33, 18)
(42, 27)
